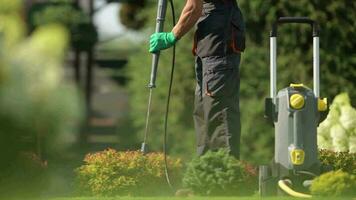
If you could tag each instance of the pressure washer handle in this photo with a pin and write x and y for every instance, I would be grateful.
(161, 14)
(273, 53)
(297, 20)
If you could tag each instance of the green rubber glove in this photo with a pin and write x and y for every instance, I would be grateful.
(160, 41)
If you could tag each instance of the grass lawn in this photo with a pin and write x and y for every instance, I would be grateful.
(194, 198)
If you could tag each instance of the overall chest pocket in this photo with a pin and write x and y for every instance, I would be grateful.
(237, 31)
(220, 76)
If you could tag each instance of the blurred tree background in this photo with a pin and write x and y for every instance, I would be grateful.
(39, 111)
(338, 70)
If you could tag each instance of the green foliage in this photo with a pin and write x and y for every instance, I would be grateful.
(63, 13)
(111, 173)
(338, 131)
(130, 14)
(83, 32)
(333, 184)
(36, 105)
(338, 70)
(11, 25)
(219, 174)
(9, 6)
(38, 110)
(344, 161)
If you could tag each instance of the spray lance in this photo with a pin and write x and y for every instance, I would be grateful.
(161, 14)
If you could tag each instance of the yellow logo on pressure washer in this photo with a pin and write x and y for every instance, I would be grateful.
(297, 156)
(297, 101)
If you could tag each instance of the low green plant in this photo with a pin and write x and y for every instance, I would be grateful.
(344, 161)
(333, 184)
(219, 174)
(112, 173)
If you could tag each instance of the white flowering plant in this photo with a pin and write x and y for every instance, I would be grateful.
(338, 131)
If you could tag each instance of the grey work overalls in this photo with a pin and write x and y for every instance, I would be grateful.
(216, 113)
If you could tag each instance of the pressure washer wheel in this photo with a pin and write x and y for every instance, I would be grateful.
(267, 183)
(270, 185)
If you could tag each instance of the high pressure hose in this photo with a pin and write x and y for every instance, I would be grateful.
(283, 185)
(161, 12)
(167, 105)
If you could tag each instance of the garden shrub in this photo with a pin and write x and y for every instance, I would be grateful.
(334, 183)
(111, 173)
(344, 161)
(219, 174)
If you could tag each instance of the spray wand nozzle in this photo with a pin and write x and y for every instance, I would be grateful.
(161, 14)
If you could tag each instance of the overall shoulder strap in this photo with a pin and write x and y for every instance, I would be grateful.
(234, 2)
(228, 25)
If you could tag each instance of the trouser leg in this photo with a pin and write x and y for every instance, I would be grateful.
(221, 103)
(198, 114)
(222, 116)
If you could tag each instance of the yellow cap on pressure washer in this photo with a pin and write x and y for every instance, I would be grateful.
(296, 85)
(296, 101)
(322, 104)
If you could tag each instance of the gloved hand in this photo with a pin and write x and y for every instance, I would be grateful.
(160, 41)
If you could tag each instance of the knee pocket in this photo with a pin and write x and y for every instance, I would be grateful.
(221, 76)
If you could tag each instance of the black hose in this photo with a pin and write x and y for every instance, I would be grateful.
(166, 169)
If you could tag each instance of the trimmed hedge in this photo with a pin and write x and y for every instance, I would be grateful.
(112, 173)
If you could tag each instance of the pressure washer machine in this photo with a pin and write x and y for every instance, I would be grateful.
(295, 113)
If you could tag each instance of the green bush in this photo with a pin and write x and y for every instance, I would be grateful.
(344, 161)
(334, 183)
(111, 173)
(219, 174)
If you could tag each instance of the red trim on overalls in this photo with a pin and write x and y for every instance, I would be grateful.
(233, 43)
(195, 44)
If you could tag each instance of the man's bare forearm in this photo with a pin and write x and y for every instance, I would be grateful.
(190, 15)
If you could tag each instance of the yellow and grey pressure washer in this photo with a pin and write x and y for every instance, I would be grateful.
(295, 112)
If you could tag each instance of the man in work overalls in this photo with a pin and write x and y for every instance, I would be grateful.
(219, 39)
